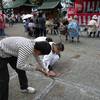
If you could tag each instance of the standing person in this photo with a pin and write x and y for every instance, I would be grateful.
(42, 27)
(92, 30)
(2, 33)
(36, 25)
(15, 51)
(10, 21)
(16, 16)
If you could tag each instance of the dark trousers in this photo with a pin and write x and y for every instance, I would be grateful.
(93, 34)
(4, 76)
(43, 31)
(37, 32)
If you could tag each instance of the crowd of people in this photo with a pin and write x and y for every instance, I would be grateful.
(16, 50)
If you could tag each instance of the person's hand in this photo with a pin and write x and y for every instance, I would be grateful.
(46, 72)
(37, 68)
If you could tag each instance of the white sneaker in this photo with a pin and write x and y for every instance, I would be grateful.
(29, 90)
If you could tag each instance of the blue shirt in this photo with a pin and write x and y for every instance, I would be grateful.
(73, 25)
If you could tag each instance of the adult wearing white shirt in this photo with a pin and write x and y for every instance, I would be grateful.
(92, 30)
(52, 57)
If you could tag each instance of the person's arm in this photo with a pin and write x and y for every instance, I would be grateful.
(24, 53)
(41, 63)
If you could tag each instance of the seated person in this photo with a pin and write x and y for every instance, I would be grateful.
(65, 21)
(73, 25)
(31, 25)
(48, 25)
(98, 10)
(64, 25)
(92, 30)
(63, 32)
(56, 27)
(90, 10)
(26, 24)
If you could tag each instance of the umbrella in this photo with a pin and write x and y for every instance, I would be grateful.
(27, 16)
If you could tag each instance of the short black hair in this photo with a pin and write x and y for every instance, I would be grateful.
(60, 46)
(49, 39)
(43, 46)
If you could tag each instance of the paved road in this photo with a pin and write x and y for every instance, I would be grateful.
(77, 72)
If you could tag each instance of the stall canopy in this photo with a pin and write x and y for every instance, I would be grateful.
(50, 5)
(19, 3)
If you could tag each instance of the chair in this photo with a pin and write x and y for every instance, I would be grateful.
(83, 28)
(73, 30)
(60, 29)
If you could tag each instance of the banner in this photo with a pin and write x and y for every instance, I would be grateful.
(84, 18)
(71, 11)
(2, 18)
(78, 6)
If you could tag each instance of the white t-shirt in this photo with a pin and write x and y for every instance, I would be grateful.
(38, 39)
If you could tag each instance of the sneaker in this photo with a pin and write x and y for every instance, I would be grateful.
(29, 90)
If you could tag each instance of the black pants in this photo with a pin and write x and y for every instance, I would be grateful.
(43, 31)
(4, 76)
(37, 32)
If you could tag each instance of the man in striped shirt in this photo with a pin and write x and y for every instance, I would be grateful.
(15, 51)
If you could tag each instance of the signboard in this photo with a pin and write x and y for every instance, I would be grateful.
(2, 18)
(71, 11)
(85, 18)
(78, 6)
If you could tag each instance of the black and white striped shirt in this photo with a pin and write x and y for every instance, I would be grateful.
(21, 48)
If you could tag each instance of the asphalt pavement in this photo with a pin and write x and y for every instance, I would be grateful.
(77, 72)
